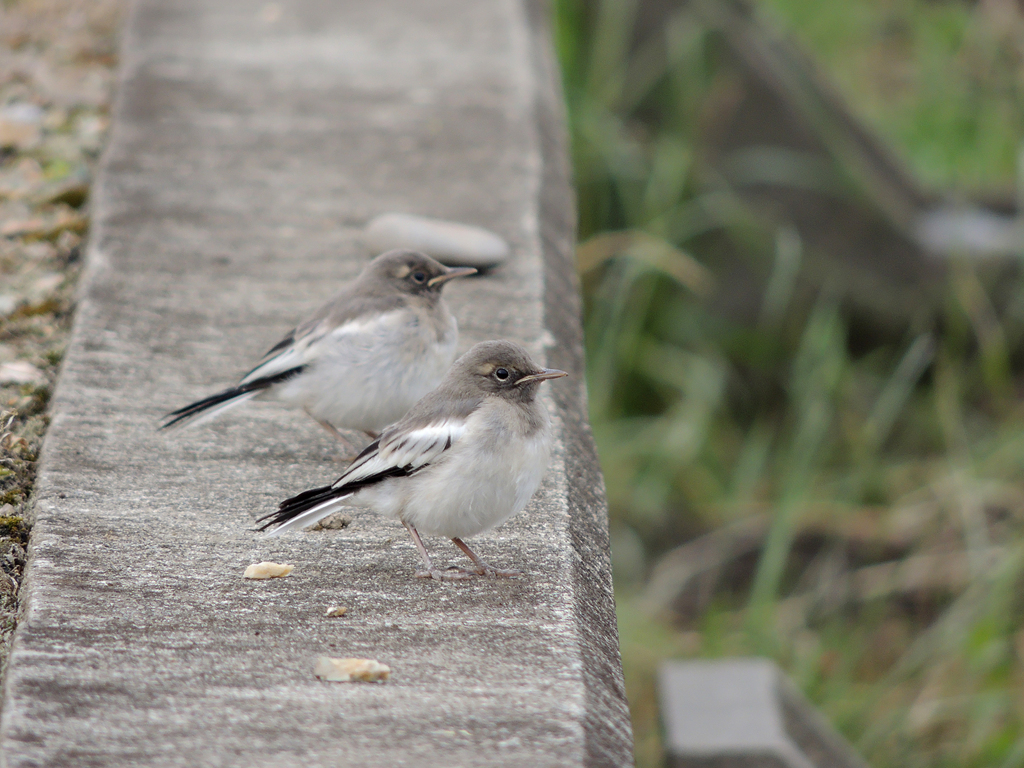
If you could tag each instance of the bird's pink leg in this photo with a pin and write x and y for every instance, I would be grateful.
(431, 572)
(482, 568)
(350, 450)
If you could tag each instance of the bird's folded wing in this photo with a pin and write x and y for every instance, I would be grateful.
(403, 451)
(303, 345)
(287, 354)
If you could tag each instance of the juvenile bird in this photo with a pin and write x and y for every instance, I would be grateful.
(364, 358)
(464, 459)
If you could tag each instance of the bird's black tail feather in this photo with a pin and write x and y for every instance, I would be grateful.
(292, 508)
(221, 398)
(296, 505)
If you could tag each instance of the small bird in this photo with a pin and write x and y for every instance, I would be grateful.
(464, 459)
(364, 358)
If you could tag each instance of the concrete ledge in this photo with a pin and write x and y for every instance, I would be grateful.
(250, 143)
(743, 713)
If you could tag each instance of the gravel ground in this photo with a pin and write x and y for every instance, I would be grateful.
(57, 73)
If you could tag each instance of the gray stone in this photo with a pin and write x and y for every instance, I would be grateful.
(449, 242)
(20, 372)
(8, 303)
(22, 112)
(247, 149)
(969, 231)
(19, 125)
(743, 713)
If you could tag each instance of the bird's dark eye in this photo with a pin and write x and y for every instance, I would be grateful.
(501, 374)
(419, 277)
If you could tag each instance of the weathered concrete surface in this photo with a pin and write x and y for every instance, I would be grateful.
(251, 143)
(743, 713)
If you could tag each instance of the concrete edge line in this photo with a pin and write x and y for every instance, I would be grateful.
(608, 740)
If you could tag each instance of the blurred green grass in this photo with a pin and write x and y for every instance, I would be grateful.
(943, 81)
(879, 480)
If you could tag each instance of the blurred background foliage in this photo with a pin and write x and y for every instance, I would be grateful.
(811, 427)
(942, 80)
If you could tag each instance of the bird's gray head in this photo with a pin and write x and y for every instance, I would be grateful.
(411, 272)
(502, 368)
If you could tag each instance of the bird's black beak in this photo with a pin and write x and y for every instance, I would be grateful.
(451, 274)
(542, 375)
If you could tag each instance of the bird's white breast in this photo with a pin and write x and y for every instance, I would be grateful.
(490, 474)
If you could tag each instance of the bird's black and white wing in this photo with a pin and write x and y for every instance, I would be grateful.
(400, 452)
(344, 319)
(293, 352)
(408, 450)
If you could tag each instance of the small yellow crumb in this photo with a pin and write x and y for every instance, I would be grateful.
(351, 670)
(337, 610)
(267, 570)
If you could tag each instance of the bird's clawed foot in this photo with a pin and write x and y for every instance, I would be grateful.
(430, 572)
(451, 574)
(495, 573)
(454, 573)
(480, 568)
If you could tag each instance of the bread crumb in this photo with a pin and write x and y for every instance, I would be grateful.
(337, 610)
(333, 522)
(351, 670)
(267, 570)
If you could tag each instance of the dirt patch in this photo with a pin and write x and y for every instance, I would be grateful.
(57, 74)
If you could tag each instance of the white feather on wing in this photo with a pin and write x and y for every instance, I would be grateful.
(414, 448)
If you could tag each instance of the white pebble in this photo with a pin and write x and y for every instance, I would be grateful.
(19, 125)
(20, 372)
(449, 242)
(22, 112)
(8, 303)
